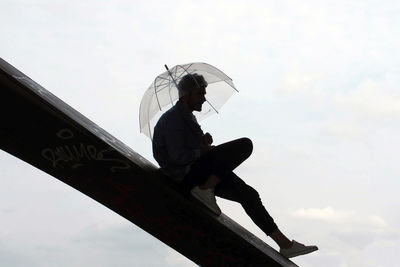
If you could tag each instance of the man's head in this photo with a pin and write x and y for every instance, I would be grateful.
(192, 90)
(190, 82)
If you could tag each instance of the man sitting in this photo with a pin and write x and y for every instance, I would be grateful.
(187, 156)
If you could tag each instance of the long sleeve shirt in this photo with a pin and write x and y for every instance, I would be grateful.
(177, 141)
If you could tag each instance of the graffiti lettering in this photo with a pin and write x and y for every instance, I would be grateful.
(65, 134)
(78, 154)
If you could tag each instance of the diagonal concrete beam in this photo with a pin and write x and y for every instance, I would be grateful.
(50, 135)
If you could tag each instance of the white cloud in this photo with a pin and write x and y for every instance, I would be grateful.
(346, 219)
(298, 82)
(378, 221)
(371, 98)
(326, 214)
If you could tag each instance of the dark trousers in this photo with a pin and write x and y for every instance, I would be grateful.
(221, 160)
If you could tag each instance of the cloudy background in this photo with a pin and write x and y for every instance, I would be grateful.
(319, 97)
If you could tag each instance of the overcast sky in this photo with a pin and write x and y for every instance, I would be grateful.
(319, 96)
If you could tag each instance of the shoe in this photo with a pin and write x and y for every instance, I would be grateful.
(207, 197)
(297, 249)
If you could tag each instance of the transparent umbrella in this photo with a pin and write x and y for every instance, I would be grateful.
(163, 93)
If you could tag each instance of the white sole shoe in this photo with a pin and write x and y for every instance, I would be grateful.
(207, 197)
(297, 249)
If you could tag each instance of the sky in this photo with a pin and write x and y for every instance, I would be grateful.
(318, 96)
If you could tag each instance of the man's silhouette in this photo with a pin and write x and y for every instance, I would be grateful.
(187, 156)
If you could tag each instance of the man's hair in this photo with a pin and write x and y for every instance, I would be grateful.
(190, 82)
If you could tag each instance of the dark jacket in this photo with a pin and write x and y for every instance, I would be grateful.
(177, 141)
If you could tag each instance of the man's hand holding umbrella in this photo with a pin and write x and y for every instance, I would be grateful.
(207, 141)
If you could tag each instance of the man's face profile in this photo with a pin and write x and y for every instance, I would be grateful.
(196, 98)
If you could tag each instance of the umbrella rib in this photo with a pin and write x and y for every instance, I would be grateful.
(150, 132)
(184, 70)
(160, 87)
(213, 107)
(159, 77)
(148, 123)
(170, 85)
(155, 92)
(169, 93)
(164, 81)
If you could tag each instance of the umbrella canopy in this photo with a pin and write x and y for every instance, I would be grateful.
(163, 93)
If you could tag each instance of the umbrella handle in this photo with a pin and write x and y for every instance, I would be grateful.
(170, 74)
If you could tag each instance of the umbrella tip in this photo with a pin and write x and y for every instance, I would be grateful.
(165, 65)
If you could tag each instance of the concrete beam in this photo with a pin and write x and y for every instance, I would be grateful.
(50, 135)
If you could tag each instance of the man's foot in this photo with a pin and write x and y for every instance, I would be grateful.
(297, 249)
(207, 197)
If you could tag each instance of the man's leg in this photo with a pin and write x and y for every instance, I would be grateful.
(213, 166)
(228, 191)
(235, 189)
(201, 181)
(231, 154)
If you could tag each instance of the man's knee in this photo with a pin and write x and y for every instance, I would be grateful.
(247, 145)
